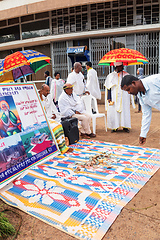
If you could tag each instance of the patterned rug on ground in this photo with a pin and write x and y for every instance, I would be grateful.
(83, 196)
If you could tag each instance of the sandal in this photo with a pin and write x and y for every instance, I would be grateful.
(92, 135)
(85, 135)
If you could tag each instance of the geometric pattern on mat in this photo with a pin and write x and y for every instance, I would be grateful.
(83, 204)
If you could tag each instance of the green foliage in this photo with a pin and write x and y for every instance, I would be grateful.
(6, 228)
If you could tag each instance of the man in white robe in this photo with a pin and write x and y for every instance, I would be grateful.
(92, 81)
(76, 79)
(71, 105)
(117, 101)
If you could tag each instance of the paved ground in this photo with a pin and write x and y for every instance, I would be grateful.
(139, 219)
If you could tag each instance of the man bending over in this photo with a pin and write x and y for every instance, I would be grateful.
(148, 92)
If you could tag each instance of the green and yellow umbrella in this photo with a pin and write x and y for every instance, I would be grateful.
(21, 64)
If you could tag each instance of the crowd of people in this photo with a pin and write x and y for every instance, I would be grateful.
(63, 100)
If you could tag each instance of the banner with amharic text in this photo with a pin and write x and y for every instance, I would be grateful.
(25, 136)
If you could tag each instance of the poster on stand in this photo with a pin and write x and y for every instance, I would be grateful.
(25, 135)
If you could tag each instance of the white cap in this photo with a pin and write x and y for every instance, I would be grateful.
(117, 64)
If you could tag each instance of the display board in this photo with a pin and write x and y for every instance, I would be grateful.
(25, 135)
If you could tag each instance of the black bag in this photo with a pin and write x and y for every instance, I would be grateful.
(70, 127)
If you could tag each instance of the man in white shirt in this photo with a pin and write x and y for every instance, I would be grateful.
(148, 92)
(76, 79)
(71, 105)
(49, 106)
(54, 118)
(92, 81)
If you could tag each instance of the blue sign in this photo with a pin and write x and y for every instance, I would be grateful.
(75, 50)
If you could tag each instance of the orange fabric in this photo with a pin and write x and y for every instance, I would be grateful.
(14, 60)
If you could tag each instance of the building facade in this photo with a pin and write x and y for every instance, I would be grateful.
(51, 27)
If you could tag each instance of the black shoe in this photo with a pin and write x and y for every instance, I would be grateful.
(126, 130)
(114, 130)
(91, 135)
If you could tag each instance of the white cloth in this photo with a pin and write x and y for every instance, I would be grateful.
(69, 104)
(93, 84)
(85, 120)
(50, 108)
(56, 88)
(118, 114)
(77, 80)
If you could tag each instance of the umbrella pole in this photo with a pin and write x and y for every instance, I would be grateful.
(122, 69)
(23, 75)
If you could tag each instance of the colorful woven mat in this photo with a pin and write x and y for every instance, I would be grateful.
(80, 199)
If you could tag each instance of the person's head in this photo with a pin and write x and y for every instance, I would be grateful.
(131, 84)
(46, 74)
(68, 88)
(140, 71)
(77, 67)
(88, 65)
(118, 66)
(57, 75)
(4, 107)
(45, 90)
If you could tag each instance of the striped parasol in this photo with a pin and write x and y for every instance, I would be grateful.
(21, 64)
(125, 55)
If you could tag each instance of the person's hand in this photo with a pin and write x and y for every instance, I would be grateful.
(142, 140)
(87, 93)
(53, 116)
(77, 112)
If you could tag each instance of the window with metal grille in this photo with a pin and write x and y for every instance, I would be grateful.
(148, 45)
(111, 14)
(147, 12)
(73, 19)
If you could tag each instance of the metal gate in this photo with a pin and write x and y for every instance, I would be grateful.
(98, 48)
(148, 45)
(59, 58)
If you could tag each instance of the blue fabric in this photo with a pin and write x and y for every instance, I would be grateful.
(30, 54)
(109, 95)
(48, 80)
(149, 100)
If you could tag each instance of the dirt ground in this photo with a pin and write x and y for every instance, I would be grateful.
(138, 220)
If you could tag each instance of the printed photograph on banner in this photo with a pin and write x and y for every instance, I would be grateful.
(10, 122)
(37, 140)
(12, 152)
